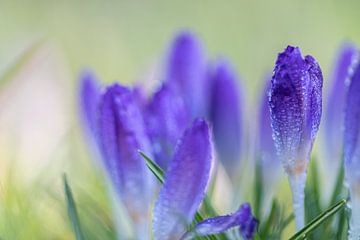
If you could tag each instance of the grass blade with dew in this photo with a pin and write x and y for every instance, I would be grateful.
(71, 206)
(318, 220)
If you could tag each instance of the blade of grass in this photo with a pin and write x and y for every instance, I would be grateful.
(318, 220)
(258, 190)
(71, 206)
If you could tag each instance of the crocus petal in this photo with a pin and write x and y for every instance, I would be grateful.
(352, 129)
(352, 150)
(121, 134)
(89, 101)
(225, 115)
(185, 72)
(166, 119)
(336, 103)
(185, 183)
(295, 104)
(242, 218)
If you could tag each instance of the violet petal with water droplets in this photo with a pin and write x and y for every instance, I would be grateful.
(242, 218)
(185, 183)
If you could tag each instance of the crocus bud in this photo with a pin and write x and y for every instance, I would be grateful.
(185, 72)
(185, 183)
(166, 120)
(295, 105)
(335, 106)
(352, 151)
(225, 115)
(121, 134)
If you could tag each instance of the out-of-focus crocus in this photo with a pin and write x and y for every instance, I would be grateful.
(352, 150)
(89, 101)
(186, 72)
(335, 106)
(295, 103)
(269, 161)
(225, 115)
(185, 183)
(166, 119)
(242, 218)
(120, 133)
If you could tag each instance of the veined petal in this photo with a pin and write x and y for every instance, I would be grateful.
(225, 114)
(167, 118)
(185, 183)
(121, 134)
(185, 72)
(242, 218)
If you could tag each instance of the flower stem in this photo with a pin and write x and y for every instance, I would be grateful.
(297, 184)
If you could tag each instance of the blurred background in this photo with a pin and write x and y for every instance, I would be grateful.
(45, 44)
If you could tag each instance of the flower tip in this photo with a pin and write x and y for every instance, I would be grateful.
(200, 123)
(185, 37)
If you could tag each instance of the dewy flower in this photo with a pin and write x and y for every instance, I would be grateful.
(117, 125)
(184, 189)
(295, 103)
(335, 106)
(225, 114)
(185, 183)
(166, 119)
(352, 150)
(185, 72)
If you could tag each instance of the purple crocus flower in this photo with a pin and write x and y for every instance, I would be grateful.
(186, 72)
(116, 125)
(121, 134)
(242, 218)
(352, 150)
(225, 115)
(335, 105)
(167, 118)
(185, 183)
(295, 104)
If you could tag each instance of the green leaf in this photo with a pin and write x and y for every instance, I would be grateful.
(73, 215)
(318, 220)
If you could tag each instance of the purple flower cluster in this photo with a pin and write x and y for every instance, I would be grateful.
(198, 104)
(170, 127)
